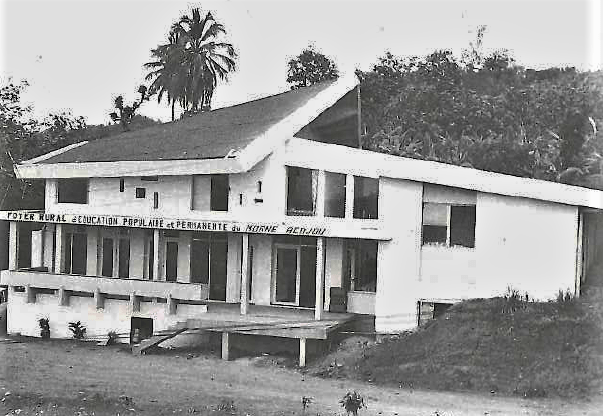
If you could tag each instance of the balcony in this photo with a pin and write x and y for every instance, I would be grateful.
(104, 285)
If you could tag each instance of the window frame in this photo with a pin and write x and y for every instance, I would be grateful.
(449, 207)
(73, 180)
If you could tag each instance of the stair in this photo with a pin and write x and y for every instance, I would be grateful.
(138, 349)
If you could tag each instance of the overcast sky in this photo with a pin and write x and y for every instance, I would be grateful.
(79, 54)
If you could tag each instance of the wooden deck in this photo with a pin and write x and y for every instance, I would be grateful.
(272, 321)
(268, 320)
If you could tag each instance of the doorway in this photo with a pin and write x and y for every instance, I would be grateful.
(115, 253)
(208, 260)
(294, 275)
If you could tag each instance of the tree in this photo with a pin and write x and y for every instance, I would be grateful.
(127, 112)
(196, 59)
(165, 71)
(310, 67)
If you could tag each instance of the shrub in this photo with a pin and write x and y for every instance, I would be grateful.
(112, 337)
(44, 324)
(564, 297)
(77, 329)
(352, 402)
(512, 300)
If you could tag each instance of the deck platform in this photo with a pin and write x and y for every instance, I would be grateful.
(272, 321)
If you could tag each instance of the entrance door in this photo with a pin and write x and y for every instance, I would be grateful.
(286, 275)
(115, 255)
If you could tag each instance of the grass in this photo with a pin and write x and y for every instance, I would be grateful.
(502, 345)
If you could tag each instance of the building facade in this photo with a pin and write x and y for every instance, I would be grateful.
(272, 203)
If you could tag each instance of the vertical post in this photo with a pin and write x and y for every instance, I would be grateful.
(225, 346)
(156, 254)
(63, 297)
(59, 258)
(245, 274)
(320, 194)
(13, 244)
(302, 352)
(48, 246)
(92, 250)
(579, 254)
(99, 299)
(349, 196)
(172, 305)
(320, 256)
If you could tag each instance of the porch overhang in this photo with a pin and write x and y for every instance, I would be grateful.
(299, 226)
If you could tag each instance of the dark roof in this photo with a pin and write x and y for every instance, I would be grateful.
(207, 135)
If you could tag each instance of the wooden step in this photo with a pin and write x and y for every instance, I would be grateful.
(155, 340)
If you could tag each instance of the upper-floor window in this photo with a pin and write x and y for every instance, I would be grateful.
(301, 191)
(219, 193)
(334, 195)
(366, 197)
(448, 225)
(73, 191)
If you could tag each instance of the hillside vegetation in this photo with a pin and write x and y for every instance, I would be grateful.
(501, 345)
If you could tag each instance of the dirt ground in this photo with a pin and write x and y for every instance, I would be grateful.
(68, 377)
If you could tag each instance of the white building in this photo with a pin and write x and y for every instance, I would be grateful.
(271, 203)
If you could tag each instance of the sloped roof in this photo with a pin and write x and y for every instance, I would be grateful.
(208, 135)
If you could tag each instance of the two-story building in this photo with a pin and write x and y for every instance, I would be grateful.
(272, 207)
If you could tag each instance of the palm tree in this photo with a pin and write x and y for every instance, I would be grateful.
(204, 59)
(166, 71)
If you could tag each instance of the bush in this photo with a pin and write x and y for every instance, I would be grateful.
(352, 402)
(112, 337)
(77, 329)
(44, 324)
(565, 297)
(513, 301)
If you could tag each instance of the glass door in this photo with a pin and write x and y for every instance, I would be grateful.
(286, 284)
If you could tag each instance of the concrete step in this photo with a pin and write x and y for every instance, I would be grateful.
(155, 340)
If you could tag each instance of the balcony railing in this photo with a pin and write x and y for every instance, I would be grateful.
(105, 285)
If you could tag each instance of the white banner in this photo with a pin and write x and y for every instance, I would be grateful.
(288, 227)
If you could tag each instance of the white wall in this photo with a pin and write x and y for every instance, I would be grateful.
(526, 244)
(262, 269)
(115, 316)
(175, 194)
(398, 260)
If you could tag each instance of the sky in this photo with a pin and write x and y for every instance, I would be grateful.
(77, 55)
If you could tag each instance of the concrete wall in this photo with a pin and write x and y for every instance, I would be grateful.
(175, 194)
(115, 316)
(526, 244)
(398, 260)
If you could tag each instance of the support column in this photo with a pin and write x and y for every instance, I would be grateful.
(320, 194)
(59, 258)
(302, 352)
(320, 257)
(134, 302)
(30, 294)
(172, 305)
(156, 254)
(63, 297)
(99, 299)
(349, 196)
(92, 250)
(48, 246)
(225, 346)
(13, 245)
(245, 274)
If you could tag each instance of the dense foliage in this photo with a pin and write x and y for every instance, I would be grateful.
(310, 67)
(187, 68)
(23, 137)
(488, 113)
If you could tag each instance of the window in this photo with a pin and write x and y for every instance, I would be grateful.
(208, 258)
(171, 261)
(219, 193)
(448, 225)
(155, 200)
(73, 191)
(149, 178)
(141, 192)
(366, 197)
(334, 195)
(75, 253)
(301, 191)
(122, 185)
(360, 265)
